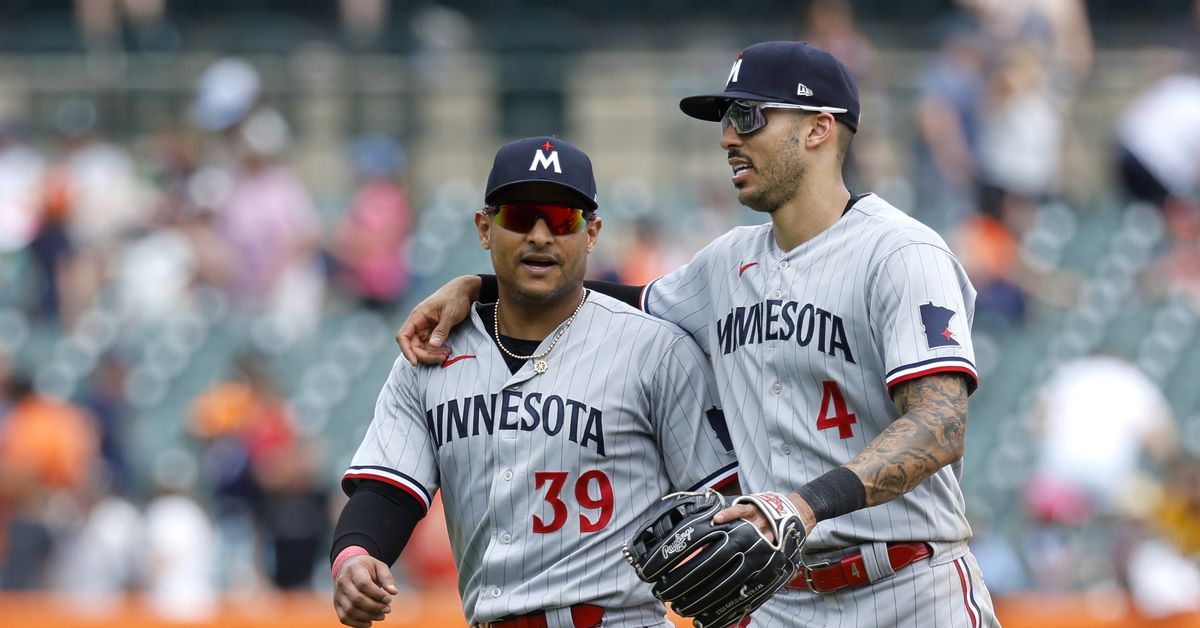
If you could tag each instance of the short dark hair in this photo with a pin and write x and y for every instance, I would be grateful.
(845, 136)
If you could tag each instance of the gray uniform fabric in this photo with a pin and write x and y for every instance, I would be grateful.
(544, 477)
(807, 345)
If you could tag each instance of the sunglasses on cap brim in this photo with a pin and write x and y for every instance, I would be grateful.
(746, 116)
(560, 219)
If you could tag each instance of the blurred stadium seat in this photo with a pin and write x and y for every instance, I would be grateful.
(452, 90)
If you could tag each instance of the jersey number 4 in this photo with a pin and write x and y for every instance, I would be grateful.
(841, 418)
(583, 496)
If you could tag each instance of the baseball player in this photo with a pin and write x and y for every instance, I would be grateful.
(840, 332)
(559, 421)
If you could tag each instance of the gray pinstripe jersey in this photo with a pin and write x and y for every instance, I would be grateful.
(807, 344)
(543, 477)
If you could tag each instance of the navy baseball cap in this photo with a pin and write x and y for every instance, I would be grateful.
(543, 160)
(787, 72)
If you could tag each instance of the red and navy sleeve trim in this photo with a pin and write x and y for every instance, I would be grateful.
(718, 479)
(644, 300)
(953, 364)
(387, 476)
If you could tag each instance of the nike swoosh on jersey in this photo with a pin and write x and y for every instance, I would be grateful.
(745, 267)
(454, 359)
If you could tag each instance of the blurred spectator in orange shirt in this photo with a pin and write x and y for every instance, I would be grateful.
(643, 259)
(990, 255)
(48, 448)
(243, 422)
(46, 444)
(246, 430)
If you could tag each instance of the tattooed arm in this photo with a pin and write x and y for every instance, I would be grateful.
(928, 436)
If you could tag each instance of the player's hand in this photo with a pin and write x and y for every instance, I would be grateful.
(362, 591)
(751, 513)
(423, 332)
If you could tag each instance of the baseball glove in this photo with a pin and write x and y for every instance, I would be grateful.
(716, 573)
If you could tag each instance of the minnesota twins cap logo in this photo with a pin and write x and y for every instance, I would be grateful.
(936, 320)
(542, 159)
(546, 157)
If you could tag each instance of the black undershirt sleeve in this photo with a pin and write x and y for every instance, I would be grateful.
(489, 291)
(380, 518)
(631, 295)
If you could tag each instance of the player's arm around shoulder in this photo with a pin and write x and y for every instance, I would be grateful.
(423, 333)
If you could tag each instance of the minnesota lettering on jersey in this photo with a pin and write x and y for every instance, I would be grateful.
(783, 320)
(511, 410)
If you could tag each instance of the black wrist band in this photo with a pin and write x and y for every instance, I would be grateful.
(834, 494)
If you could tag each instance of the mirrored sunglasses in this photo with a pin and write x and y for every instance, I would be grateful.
(746, 116)
(522, 217)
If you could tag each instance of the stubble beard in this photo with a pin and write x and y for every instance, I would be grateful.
(778, 179)
(544, 298)
(528, 296)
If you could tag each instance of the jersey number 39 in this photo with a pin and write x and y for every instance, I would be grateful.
(583, 496)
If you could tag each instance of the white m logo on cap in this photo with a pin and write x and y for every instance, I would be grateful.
(541, 159)
(733, 72)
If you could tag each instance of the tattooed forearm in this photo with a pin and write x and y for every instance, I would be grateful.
(928, 435)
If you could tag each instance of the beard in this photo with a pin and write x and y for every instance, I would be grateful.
(778, 179)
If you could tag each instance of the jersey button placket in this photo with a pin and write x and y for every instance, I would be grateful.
(496, 591)
(776, 388)
(506, 538)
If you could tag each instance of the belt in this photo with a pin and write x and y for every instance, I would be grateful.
(851, 571)
(582, 616)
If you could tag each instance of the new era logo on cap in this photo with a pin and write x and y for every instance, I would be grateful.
(784, 72)
(542, 160)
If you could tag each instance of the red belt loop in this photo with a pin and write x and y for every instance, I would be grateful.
(582, 616)
(587, 615)
(851, 570)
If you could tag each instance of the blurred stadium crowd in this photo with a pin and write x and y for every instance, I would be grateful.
(195, 319)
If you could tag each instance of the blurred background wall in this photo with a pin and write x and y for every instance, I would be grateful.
(213, 215)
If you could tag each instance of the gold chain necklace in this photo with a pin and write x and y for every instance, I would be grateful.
(539, 361)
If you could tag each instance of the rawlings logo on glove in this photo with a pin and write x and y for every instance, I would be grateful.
(680, 542)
